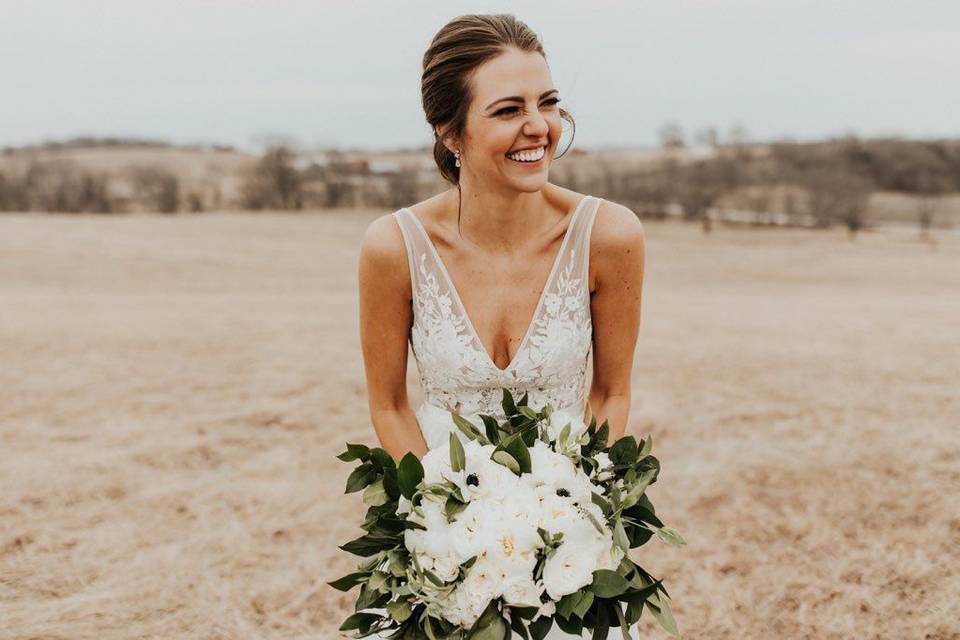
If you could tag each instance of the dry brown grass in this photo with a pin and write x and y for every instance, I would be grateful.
(174, 391)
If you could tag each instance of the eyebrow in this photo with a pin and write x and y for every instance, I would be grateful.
(520, 99)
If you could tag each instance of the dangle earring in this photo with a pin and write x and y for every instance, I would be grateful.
(456, 155)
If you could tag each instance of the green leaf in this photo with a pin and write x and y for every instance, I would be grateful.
(517, 448)
(516, 623)
(600, 437)
(399, 610)
(527, 412)
(350, 580)
(492, 428)
(382, 459)
(507, 460)
(624, 626)
(361, 621)
(608, 584)
(671, 536)
(583, 605)
(624, 451)
(660, 608)
(468, 429)
(566, 604)
(602, 625)
(564, 434)
(375, 495)
(509, 408)
(540, 627)
(355, 452)
(370, 544)
(409, 474)
(390, 483)
(458, 459)
(360, 477)
(452, 508)
(646, 446)
(620, 536)
(496, 630)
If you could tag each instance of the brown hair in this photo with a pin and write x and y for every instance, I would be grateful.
(462, 45)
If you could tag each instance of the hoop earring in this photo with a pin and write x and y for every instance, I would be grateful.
(456, 155)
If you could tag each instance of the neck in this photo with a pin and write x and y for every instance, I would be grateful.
(503, 220)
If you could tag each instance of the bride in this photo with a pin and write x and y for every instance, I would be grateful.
(506, 280)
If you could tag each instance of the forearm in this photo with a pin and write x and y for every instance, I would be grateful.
(398, 432)
(615, 409)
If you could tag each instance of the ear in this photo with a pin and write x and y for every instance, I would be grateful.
(450, 144)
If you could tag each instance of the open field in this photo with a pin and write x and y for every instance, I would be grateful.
(174, 390)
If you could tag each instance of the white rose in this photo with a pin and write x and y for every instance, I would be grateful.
(447, 566)
(481, 585)
(522, 591)
(569, 569)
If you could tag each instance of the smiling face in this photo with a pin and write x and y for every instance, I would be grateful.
(515, 106)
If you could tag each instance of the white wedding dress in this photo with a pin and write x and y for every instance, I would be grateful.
(457, 374)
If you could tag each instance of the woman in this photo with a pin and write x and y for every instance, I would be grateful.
(508, 280)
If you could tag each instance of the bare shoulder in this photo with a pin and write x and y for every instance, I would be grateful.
(617, 242)
(383, 254)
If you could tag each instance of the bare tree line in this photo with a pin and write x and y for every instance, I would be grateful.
(817, 184)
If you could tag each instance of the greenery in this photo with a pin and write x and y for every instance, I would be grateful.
(390, 578)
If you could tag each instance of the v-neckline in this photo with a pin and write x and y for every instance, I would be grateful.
(540, 301)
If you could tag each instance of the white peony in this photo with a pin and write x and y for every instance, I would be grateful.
(548, 467)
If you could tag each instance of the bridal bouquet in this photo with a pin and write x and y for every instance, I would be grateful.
(514, 527)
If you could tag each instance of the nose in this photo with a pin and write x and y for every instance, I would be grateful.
(536, 125)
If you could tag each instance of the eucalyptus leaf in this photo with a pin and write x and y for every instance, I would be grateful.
(399, 610)
(507, 460)
(671, 536)
(458, 458)
(660, 608)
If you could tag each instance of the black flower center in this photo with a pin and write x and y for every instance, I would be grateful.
(544, 597)
(473, 480)
(563, 492)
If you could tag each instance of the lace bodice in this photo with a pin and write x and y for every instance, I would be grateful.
(457, 374)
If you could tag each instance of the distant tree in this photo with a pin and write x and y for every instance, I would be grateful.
(671, 136)
(156, 187)
(708, 136)
(274, 183)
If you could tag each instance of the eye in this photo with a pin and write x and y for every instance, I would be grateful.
(506, 110)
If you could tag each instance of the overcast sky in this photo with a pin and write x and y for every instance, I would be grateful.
(348, 73)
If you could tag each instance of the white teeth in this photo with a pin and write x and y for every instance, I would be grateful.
(528, 156)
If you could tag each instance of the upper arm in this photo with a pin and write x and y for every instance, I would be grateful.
(385, 312)
(617, 251)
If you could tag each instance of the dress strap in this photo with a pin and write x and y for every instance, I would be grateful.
(580, 236)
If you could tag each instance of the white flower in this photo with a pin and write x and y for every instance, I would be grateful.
(481, 585)
(549, 467)
(569, 569)
(603, 472)
(522, 591)
(559, 419)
